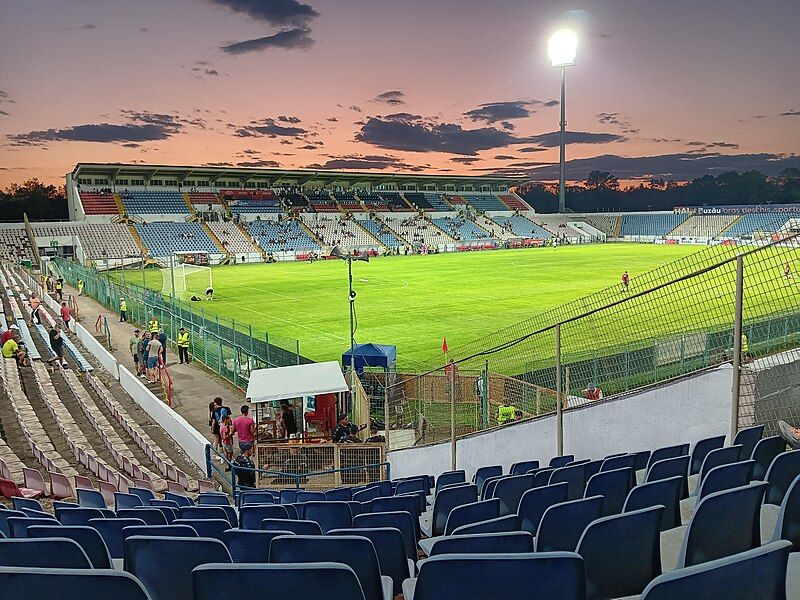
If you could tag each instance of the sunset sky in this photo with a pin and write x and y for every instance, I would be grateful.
(672, 89)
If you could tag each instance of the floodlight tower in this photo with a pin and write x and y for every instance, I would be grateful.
(561, 49)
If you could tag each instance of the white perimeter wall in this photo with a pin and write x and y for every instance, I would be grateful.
(685, 410)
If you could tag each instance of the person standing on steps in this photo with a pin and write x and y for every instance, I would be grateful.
(57, 344)
(162, 337)
(66, 316)
(35, 304)
(133, 346)
(123, 311)
(153, 355)
(152, 326)
(60, 288)
(80, 287)
(183, 345)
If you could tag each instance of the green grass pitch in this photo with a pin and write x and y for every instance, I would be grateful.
(415, 301)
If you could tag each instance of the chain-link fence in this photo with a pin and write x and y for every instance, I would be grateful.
(226, 348)
(674, 321)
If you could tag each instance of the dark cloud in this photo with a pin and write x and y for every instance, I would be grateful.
(791, 113)
(141, 126)
(290, 39)
(394, 97)
(131, 145)
(368, 162)
(217, 164)
(404, 131)
(677, 167)
(308, 147)
(553, 139)
(704, 146)
(211, 72)
(250, 152)
(285, 119)
(492, 112)
(465, 160)
(333, 119)
(504, 157)
(355, 108)
(264, 164)
(144, 29)
(617, 120)
(86, 27)
(529, 164)
(531, 149)
(3, 113)
(281, 13)
(269, 128)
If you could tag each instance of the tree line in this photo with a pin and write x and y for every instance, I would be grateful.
(41, 202)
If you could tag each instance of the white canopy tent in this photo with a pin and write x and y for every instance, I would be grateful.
(298, 381)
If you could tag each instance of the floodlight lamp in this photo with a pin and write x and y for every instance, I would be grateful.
(562, 47)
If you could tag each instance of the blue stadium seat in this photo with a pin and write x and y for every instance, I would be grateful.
(535, 502)
(401, 520)
(81, 516)
(111, 532)
(780, 475)
(86, 537)
(522, 227)
(339, 495)
(5, 515)
(166, 503)
(651, 225)
(408, 503)
(210, 528)
(670, 467)
(213, 499)
(144, 494)
(390, 548)
(179, 530)
(474, 512)
(72, 584)
(497, 525)
(304, 496)
(667, 452)
(642, 459)
(127, 501)
(764, 453)
(787, 526)
(726, 477)
(415, 484)
(449, 477)
(329, 515)
(574, 477)
(249, 546)
(591, 467)
(701, 450)
(618, 462)
(720, 456)
(563, 524)
(484, 473)
(170, 514)
(164, 564)
(50, 553)
(506, 542)
(250, 516)
(282, 580)
(295, 526)
(561, 461)
(445, 501)
(509, 491)
(355, 551)
(288, 496)
(19, 503)
(554, 575)
(39, 514)
(91, 498)
(731, 577)
(542, 476)
(206, 512)
(488, 486)
(723, 524)
(180, 499)
(367, 494)
(151, 516)
(18, 526)
(613, 486)
(621, 553)
(747, 439)
(257, 497)
(666, 492)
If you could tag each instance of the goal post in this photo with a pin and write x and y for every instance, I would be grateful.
(189, 280)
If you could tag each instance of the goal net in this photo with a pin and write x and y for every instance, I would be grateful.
(190, 280)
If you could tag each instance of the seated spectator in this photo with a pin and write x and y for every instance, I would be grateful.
(592, 392)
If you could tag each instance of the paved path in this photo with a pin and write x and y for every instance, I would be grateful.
(194, 387)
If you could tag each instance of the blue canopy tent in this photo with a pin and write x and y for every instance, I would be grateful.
(382, 356)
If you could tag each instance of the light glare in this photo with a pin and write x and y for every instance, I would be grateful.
(562, 47)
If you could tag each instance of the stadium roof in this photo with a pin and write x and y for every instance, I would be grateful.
(290, 177)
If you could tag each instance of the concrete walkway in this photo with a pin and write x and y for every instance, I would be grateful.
(193, 386)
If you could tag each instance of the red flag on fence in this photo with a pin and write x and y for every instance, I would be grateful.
(444, 345)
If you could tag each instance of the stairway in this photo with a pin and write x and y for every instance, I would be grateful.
(120, 205)
(251, 239)
(393, 232)
(138, 240)
(358, 224)
(214, 238)
(188, 203)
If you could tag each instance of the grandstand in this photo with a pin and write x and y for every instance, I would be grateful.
(521, 227)
(286, 236)
(336, 231)
(418, 230)
(232, 238)
(494, 228)
(461, 229)
(14, 244)
(154, 202)
(650, 225)
(703, 226)
(100, 203)
(759, 225)
(382, 233)
(485, 202)
(166, 238)
(607, 224)
(99, 240)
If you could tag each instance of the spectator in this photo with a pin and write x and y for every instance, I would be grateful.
(153, 324)
(288, 420)
(133, 346)
(123, 310)
(345, 431)
(245, 430)
(21, 355)
(57, 343)
(60, 288)
(226, 436)
(592, 392)
(10, 347)
(244, 467)
(217, 416)
(35, 303)
(162, 337)
(506, 413)
(80, 287)
(374, 438)
(183, 345)
(66, 316)
(8, 334)
(153, 355)
(790, 435)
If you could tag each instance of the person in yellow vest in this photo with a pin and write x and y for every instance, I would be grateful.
(506, 413)
(80, 287)
(745, 357)
(123, 310)
(183, 345)
(153, 325)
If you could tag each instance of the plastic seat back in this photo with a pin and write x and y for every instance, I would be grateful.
(723, 524)
(416, 484)
(50, 553)
(180, 530)
(210, 528)
(19, 503)
(701, 450)
(180, 499)
(720, 456)
(671, 467)
(389, 546)
(298, 527)
(521, 468)
(446, 500)
(613, 486)
(500, 524)
(340, 495)
(250, 516)
(666, 492)
(535, 502)
(80, 516)
(574, 477)
(400, 520)
(257, 497)
(489, 486)
(510, 490)
(780, 475)
(474, 512)
(731, 577)
(409, 504)
(71, 583)
(622, 553)
(329, 515)
(618, 462)
(726, 477)
(484, 473)
(5, 515)
(787, 526)
(449, 478)
(86, 537)
(747, 439)
(764, 453)
(555, 576)
(91, 498)
(248, 546)
(213, 499)
(122, 500)
(111, 532)
(164, 564)
(303, 496)
(561, 461)
(563, 524)
(282, 580)
(366, 495)
(507, 542)
(144, 494)
(18, 526)
(355, 551)
(667, 452)
(151, 516)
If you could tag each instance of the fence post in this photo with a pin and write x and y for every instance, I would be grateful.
(559, 413)
(297, 350)
(452, 377)
(386, 409)
(566, 383)
(737, 346)
(205, 347)
(266, 342)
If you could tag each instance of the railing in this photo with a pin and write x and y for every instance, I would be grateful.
(101, 327)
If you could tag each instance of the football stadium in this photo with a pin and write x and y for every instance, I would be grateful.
(402, 381)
